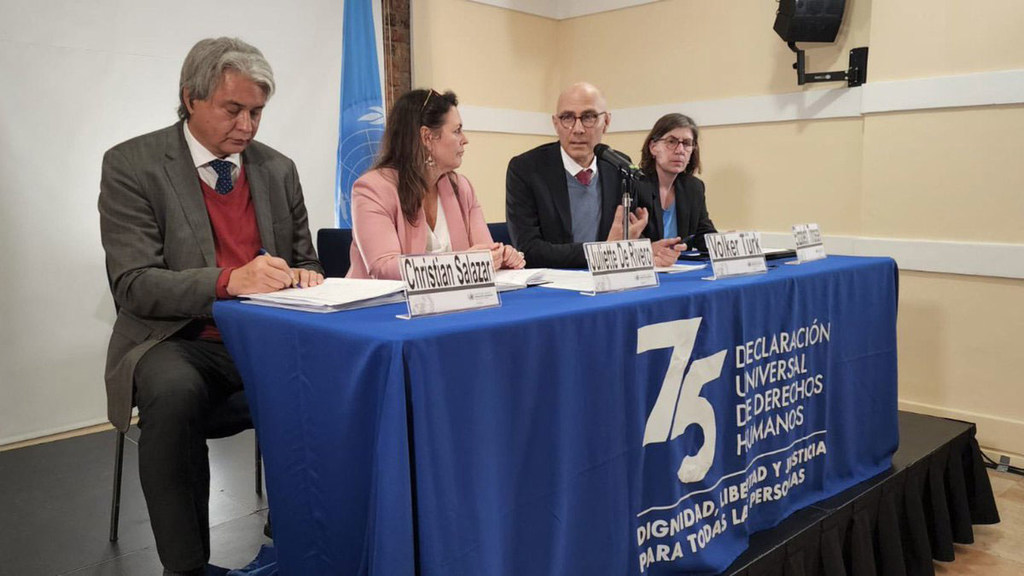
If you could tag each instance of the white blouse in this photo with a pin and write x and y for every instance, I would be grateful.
(438, 239)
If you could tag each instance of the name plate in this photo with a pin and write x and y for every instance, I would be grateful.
(808, 243)
(448, 282)
(735, 254)
(621, 265)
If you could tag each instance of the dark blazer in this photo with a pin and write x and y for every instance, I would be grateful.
(537, 207)
(161, 261)
(691, 209)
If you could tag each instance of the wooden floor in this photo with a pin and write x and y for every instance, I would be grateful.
(998, 550)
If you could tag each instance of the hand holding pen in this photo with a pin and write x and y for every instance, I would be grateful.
(267, 273)
(301, 277)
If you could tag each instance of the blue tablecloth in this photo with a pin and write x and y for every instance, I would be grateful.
(645, 432)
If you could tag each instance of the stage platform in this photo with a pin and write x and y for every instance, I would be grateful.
(894, 524)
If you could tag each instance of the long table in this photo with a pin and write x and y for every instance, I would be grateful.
(644, 432)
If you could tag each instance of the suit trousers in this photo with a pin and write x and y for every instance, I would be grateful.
(176, 384)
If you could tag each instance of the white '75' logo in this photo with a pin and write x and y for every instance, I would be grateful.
(679, 396)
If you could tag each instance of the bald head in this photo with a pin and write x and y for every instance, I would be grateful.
(581, 91)
(579, 105)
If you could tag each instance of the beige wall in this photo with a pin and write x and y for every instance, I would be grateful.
(949, 174)
(486, 55)
(685, 50)
(923, 38)
(484, 164)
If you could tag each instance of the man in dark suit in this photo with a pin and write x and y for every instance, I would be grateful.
(189, 214)
(560, 195)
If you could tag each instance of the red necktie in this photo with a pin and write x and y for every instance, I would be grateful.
(584, 176)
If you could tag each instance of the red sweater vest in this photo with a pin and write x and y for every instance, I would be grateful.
(236, 236)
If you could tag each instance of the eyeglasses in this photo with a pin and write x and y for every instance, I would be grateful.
(587, 119)
(672, 142)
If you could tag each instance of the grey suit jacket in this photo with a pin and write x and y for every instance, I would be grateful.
(160, 256)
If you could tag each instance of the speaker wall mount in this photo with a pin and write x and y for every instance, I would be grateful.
(855, 75)
(818, 21)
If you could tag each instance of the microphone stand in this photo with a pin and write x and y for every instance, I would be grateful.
(628, 193)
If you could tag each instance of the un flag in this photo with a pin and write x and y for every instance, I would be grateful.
(361, 121)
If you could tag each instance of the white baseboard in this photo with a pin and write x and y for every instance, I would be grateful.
(1001, 436)
(970, 258)
(51, 431)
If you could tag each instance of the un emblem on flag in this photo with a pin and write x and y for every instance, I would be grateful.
(361, 133)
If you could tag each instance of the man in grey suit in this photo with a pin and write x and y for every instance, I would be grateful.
(190, 214)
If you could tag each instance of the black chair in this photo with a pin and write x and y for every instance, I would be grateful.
(227, 419)
(332, 246)
(499, 232)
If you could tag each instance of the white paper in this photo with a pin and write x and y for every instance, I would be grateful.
(334, 294)
(506, 280)
(577, 280)
(676, 268)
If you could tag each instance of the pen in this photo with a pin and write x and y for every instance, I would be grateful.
(265, 252)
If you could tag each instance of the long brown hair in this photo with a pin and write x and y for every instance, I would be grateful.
(664, 125)
(403, 151)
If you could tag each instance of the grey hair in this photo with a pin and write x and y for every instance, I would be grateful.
(210, 58)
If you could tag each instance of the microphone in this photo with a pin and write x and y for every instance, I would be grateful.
(631, 174)
(617, 159)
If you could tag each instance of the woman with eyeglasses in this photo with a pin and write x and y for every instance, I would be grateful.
(670, 156)
(412, 201)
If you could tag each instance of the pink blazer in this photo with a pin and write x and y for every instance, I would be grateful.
(380, 233)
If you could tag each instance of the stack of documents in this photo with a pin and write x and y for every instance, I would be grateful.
(577, 280)
(582, 281)
(505, 280)
(333, 295)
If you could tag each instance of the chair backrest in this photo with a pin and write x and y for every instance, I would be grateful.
(332, 246)
(499, 232)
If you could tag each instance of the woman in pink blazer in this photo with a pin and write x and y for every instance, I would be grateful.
(412, 201)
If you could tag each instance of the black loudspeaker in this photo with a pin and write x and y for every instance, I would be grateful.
(809, 20)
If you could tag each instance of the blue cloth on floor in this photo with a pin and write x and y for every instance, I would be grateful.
(265, 564)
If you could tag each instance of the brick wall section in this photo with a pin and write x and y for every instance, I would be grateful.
(397, 58)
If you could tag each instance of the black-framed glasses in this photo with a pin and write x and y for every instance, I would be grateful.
(587, 119)
(672, 142)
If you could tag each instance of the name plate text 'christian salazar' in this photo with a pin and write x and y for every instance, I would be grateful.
(621, 265)
(735, 254)
(448, 282)
(808, 242)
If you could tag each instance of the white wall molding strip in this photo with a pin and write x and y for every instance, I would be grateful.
(981, 89)
(563, 9)
(481, 119)
(1001, 434)
(969, 90)
(812, 104)
(969, 258)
